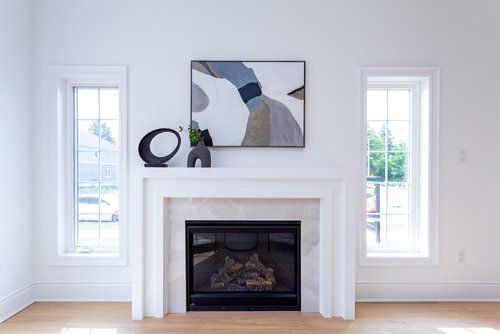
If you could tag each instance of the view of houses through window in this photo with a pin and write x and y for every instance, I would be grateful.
(96, 127)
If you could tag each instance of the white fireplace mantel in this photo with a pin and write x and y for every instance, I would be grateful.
(149, 237)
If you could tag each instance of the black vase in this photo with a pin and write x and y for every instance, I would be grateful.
(199, 152)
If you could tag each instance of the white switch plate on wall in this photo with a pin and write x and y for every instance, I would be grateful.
(460, 255)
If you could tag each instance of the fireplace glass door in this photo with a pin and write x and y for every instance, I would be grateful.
(243, 265)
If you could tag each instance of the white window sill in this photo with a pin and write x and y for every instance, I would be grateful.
(89, 259)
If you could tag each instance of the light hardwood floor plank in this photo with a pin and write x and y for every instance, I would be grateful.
(371, 318)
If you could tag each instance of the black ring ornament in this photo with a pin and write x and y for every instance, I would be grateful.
(149, 158)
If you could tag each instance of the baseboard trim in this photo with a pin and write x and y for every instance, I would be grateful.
(428, 292)
(63, 292)
(365, 292)
(83, 291)
(16, 302)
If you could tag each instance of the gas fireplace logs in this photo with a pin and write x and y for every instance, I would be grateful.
(253, 276)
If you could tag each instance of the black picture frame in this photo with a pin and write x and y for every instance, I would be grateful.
(252, 61)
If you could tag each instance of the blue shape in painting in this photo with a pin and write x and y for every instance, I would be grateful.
(235, 72)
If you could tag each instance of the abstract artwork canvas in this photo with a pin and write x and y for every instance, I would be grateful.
(249, 103)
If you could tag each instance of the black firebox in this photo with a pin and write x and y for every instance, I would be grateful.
(242, 265)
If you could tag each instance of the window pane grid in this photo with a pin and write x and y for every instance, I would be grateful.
(388, 156)
(96, 169)
(385, 120)
(388, 183)
(102, 119)
(382, 151)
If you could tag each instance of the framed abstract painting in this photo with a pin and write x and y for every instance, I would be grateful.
(249, 103)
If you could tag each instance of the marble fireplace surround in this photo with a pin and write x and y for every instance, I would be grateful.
(164, 197)
(305, 210)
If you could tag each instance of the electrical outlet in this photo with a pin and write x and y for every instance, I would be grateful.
(462, 155)
(460, 255)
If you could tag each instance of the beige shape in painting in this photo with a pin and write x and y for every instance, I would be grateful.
(258, 132)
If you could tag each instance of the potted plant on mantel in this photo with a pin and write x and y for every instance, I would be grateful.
(200, 151)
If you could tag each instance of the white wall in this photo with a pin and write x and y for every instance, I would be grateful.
(157, 40)
(16, 191)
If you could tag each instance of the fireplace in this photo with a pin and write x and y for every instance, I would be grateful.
(243, 265)
(168, 197)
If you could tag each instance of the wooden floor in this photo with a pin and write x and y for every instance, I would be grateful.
(381, 318)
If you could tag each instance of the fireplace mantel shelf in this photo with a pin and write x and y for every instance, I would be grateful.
(305, 173)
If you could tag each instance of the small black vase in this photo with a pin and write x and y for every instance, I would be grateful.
(199, 152)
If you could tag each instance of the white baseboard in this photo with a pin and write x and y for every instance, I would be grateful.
(421, 292)
(16, 302)
(83, 291)
(63, 292)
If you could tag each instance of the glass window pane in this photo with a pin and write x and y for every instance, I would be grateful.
(109, 233)
(375, 229)
(110, 166)
(88, 230)
(398, 136)
(398, 198)
(376, 105)
(87, 103)
(382, 190)
(399, 104)
(376, 135)
(373, 198)
(397, 167)
(397, 229)
(88, 166)
(376, 164)
(109, 103)
(88, 200)
(109, 135)
(88, 138)
(376, 200)
(109, 202)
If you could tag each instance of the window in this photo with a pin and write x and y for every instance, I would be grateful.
(390, 151)
(400, 122)
(97, 181)
(92, 174)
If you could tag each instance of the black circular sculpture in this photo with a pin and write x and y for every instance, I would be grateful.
(149, 158)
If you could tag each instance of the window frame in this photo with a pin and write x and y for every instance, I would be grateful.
(423, 165)
(66, 79)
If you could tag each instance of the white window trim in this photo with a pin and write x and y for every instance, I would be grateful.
(429, 95)
(64, 79)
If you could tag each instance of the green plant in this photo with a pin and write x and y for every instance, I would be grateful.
(195, 135)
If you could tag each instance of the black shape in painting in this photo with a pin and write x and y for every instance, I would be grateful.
(249, 91)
